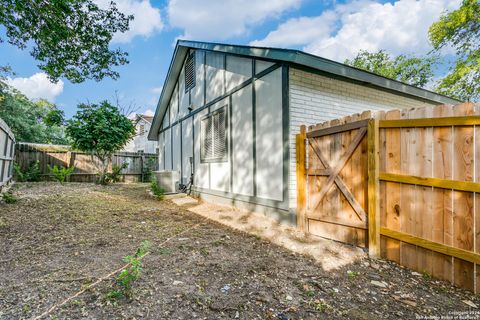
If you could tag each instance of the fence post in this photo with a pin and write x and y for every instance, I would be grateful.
(301, 178)
(70, 162)
(142, 163)
(373, 189)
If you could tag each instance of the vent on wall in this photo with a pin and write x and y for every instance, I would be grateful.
(190, 71)
(213, 142)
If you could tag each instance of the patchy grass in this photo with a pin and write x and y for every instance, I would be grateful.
(57, 240)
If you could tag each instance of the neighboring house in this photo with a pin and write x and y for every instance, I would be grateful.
(236, 110)
(140, 142)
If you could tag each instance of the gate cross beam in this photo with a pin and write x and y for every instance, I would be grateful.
(334, 178)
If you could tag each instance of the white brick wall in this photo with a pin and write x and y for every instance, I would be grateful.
(315, 99)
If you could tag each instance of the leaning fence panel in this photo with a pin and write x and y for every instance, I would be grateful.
(7, 154)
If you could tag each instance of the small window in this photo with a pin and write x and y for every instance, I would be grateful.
(190, 72)
(213, 142)
(142, 129)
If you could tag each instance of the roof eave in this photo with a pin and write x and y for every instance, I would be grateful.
(294, 57)
(167, 90)
(322, 64)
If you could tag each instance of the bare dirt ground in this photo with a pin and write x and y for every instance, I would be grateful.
(57, 240)
(329, 254)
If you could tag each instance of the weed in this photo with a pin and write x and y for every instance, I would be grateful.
(85, 284)
(198, 301)
(32, 173)
(179, 229)
(61, 174)
(321, 305)
(164, 251)
(129, 275)
(308, 289)
(204, 251)
(116, 173)
(426, 275)
(3, 223)
(26, 308)
(147, 169)
(156, 189)
(8, 197)
(351, 274)
(218, 242)
(310, 293)
(113, 295)
(76, 302)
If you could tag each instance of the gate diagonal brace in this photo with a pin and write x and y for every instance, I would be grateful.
(334, 178)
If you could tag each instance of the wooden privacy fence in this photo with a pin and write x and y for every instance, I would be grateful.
(404, 183)
(7, 153)
(85, 166)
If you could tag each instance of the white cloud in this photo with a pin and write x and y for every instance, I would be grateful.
(299, 31)
(38, 86)
(147, 18)
(222, 19)
(400, 27)
(157, 90)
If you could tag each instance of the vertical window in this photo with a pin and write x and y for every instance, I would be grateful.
(142, 129)
(190, 71)
(214, 142)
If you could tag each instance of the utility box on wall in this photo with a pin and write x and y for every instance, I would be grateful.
(168, 180)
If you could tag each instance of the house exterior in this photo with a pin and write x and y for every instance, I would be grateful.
(140, 142)
(235, 110)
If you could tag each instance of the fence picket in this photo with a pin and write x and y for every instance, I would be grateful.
(463, 201)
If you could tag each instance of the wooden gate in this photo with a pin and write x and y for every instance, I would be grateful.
(337, 181)
(404, 183)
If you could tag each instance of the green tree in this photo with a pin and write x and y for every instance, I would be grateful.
(101, 130)
(460, 29)
(69, 38)
(30, 121)
(412, 70)
(54, 117)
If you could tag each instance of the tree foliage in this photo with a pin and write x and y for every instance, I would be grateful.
(69, 38)
(460, 29)
(54, 117)
(31, 121)
(416, 71)
(100, 129)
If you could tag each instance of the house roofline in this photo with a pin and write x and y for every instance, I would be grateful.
(294, 57)
(143, 117)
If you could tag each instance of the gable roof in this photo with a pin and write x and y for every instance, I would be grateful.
(147, 118)
(139, 116)
(295, 58)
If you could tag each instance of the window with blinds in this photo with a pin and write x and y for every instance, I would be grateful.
(213, 140)
(190, 72)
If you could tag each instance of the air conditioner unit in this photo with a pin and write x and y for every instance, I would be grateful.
(168, 180)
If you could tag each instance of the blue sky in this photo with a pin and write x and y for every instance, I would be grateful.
(332, 29)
